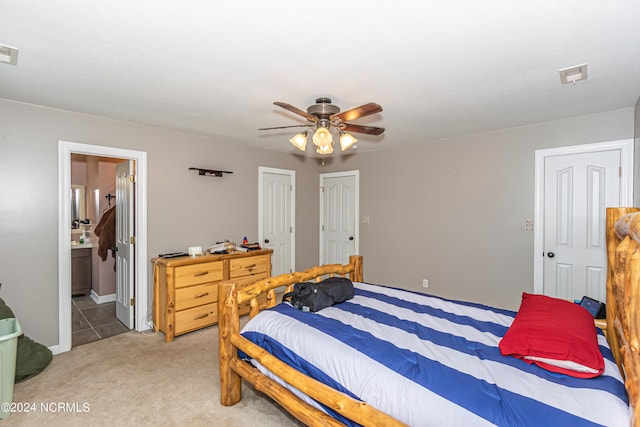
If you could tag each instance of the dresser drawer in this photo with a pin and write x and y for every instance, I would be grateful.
(188, 275)
(246, 266)
(193, 296)
(196, 318)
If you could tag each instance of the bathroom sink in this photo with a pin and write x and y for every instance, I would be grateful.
(77, 245)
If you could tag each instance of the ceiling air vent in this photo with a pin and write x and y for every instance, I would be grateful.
(573, 74)
(8, 54)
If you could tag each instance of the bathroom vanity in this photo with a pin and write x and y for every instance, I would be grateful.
(81, 269)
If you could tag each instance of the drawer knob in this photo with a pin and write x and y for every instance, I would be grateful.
(203, 273)
(202, 316)
(204, 294)
(250, 266)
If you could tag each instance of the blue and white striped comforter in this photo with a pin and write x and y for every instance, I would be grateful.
(428, 361)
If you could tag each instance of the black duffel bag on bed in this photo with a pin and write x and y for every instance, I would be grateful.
(311, 296)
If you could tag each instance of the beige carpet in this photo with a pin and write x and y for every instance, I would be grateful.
(138, 379)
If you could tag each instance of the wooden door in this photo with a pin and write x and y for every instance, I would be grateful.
(277, 217)
(577, 190)
(339, 211)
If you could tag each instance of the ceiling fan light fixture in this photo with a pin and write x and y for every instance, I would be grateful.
(322, 137)
(346, 140)
(325, 149)
(327, 122)
(300, 141)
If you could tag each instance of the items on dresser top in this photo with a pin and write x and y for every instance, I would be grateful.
(251, 246)
(173, 254)
(186, 288)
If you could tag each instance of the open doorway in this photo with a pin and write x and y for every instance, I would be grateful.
(93, 249)
(138, 295)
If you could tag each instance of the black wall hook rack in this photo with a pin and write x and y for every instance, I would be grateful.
(109, 197)
(209, 172)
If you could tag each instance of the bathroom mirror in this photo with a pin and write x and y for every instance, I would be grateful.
(78, 205)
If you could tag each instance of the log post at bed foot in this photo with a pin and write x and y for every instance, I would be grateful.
(612, 216)
(356, 261)
(228, 324)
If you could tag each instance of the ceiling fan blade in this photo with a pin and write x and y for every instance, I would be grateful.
(297, 111)
(284, 127)
(361, 111)
(371, 130)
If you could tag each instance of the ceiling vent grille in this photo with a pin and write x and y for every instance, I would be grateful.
(573, 74)
(8, 54)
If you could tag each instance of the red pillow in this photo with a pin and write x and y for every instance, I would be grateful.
(555, 334)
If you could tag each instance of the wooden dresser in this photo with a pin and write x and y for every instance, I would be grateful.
(185, 289)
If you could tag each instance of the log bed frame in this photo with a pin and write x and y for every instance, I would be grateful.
(623, 332)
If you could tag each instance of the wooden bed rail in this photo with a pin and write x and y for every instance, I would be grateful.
(623, 298)
(250, 293)
(232, 369)
(351, 408)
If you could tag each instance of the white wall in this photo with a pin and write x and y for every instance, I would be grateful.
(420, 200)
(184, 209)
(453, 211)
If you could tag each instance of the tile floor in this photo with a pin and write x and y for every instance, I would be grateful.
(91, 322)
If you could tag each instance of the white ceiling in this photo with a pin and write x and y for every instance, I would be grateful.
(439, 69)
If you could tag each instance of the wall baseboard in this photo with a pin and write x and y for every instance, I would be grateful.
(101, 299)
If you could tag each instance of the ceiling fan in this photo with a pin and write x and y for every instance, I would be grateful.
(325, 117)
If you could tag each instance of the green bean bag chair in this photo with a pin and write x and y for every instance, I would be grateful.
(31, 357)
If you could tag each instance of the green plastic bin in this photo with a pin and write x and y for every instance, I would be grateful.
(10, 330)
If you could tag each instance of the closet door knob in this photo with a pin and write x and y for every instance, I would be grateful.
(266, 240)
(550, 254)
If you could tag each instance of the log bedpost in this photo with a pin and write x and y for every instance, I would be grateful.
(356, 261)
(228, 325)
(612, 216)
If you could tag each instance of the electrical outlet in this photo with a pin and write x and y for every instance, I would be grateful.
(425, 283)
(195, 250)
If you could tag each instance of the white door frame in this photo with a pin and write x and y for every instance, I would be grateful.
(626, 192)
(65, 149)
(292, 179)
(356, 213)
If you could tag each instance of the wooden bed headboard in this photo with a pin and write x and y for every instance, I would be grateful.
(623, 332)
(232, 368)
(623, 297)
